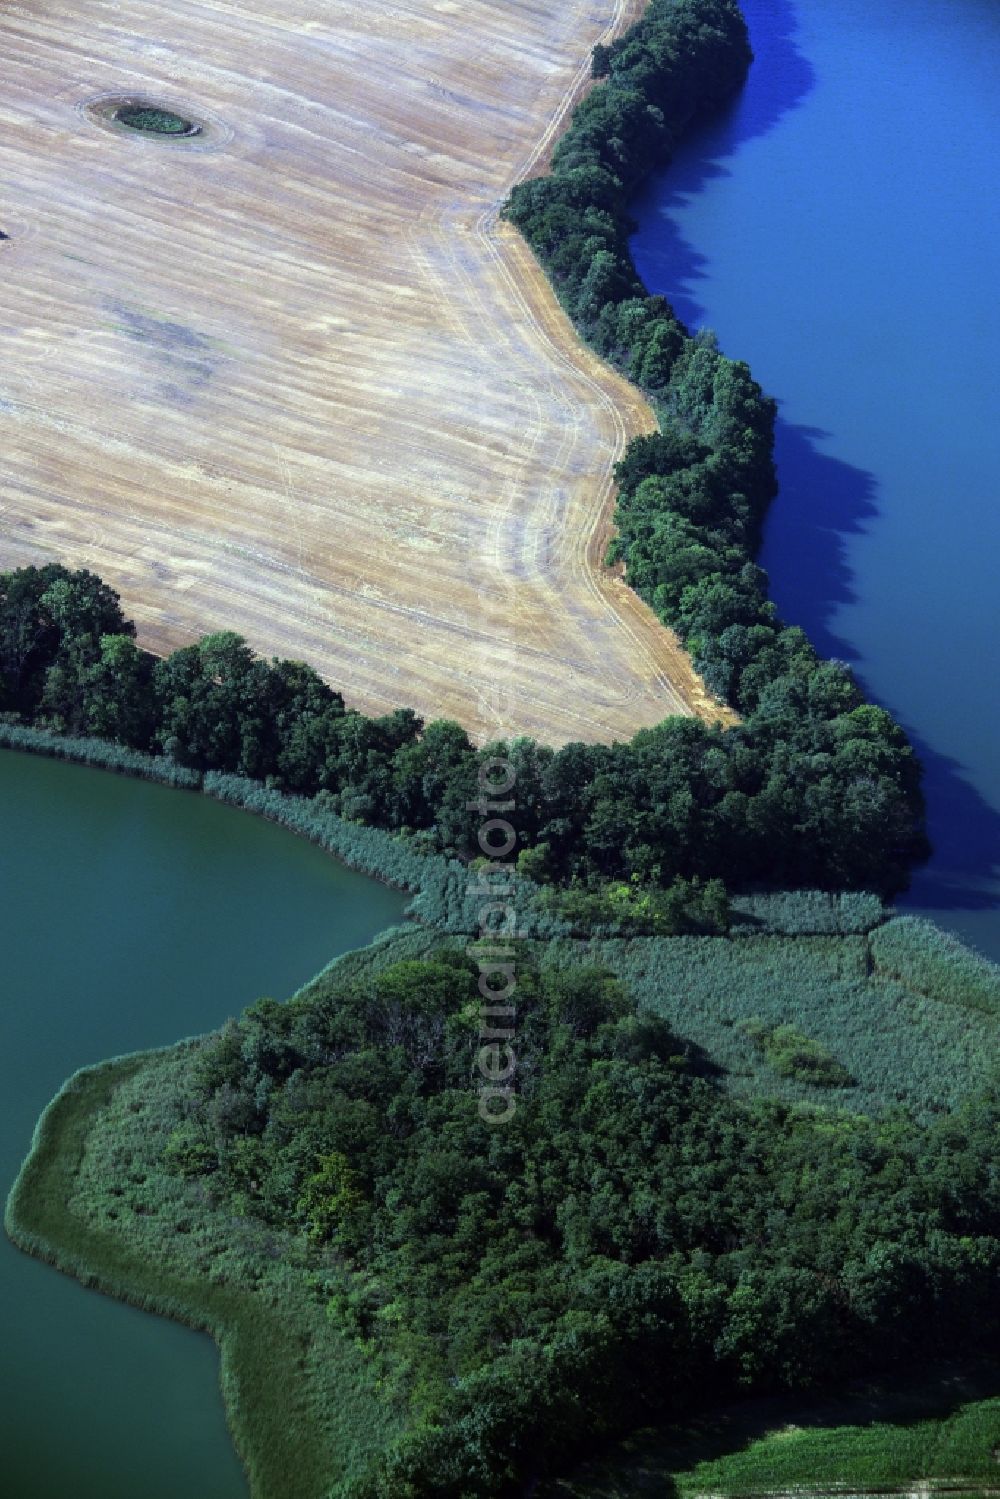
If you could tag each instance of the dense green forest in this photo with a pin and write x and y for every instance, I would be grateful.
(632, 1242)
(819, 789)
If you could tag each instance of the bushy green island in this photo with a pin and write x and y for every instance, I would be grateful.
(151, 120)
(870, 1438)
(753, 1153)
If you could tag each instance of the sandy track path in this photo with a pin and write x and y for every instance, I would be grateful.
(293, 378)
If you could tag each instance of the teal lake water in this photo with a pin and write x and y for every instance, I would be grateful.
(838, 227)
(131, 916)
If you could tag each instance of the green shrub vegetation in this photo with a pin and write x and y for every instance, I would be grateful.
(795, 1055)
(154, 121)
(92, 1200)
(738, 1164)
(481, 1305)
(933, 962)
(900, 1047)
(686, 906)
(445, 888)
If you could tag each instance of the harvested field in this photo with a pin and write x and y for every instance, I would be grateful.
(289, 375)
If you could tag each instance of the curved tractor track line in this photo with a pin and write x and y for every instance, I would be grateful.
(305, 385)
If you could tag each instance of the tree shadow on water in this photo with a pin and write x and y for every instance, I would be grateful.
(964, 829)
(779, 80)
(822, 501)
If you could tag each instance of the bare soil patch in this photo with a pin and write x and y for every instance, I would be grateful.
(292, 377)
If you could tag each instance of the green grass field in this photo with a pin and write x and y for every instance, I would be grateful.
(948, 1450)
(938, 1434)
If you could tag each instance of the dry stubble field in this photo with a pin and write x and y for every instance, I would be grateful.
(292, 377)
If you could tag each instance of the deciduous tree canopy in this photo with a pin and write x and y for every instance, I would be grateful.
(816, 789)
(631, 1242)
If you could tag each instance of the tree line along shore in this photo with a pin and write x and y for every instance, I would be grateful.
(814, 787)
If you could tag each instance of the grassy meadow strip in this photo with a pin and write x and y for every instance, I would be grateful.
(102, 754)
(806, 913)
(441, 886)
(955, 1450)
(301, 1402)
(938, 1432)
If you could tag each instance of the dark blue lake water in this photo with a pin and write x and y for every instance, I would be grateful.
(839, 227)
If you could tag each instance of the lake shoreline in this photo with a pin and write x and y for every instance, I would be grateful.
(37, 1221)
